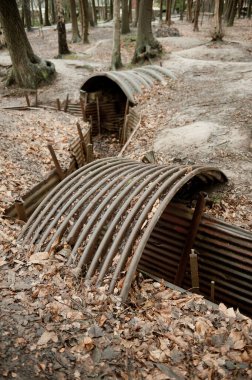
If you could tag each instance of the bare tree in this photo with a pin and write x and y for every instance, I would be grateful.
(27, 14)
(46, 18)
(196, 16)
(75, 29)
(27, 70)
(217, 34)
(168, 12)
(125, 17)
(84, 9)
(40, 12)
(61, 27)
(116, 61)
(146, 45)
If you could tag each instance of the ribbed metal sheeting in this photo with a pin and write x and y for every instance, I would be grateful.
(107, 210)
(224, 255)
(131, 82)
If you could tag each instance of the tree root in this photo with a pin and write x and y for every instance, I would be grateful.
(32, 74)
(147, 51)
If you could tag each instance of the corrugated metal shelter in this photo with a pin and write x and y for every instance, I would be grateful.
(108, 95)
(119, 211)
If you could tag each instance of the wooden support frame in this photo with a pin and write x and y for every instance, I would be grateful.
(56, 162)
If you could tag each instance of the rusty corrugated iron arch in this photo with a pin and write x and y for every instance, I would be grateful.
(102, 210)
(131, 82)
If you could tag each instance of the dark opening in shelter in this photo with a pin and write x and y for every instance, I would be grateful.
(108, 96)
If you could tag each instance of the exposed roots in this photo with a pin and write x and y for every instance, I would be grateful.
(32, 74)
(147, 51)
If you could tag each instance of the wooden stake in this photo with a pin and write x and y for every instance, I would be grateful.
(83, 111)
(83, 144)
(27, 100)
(98, 115)
(58, 105)
(212, 291)
(194, 269)
(20, 210)
(90, 155)
(56, 162)
(66, 103)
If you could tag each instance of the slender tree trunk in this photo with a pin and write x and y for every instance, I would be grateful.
(146, 45)
(182, 9)
(111, 9)
(61, 27)
(240, 6)
(230, 21)
(94, 12)
(27, 14)
(161, 10)
(130, 11)
(137, 13)
(75, 29)
(168, 12)
(27, 70)
(196, 16)
(40, 13)
(47, 22)
(125, 17)
(249, 9)
(217, 34)
(84, 20)
(189, 10)
(106, 9)
(116, 61)
(53, 13)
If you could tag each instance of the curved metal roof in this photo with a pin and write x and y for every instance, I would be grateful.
(133, 81)
(103, 210)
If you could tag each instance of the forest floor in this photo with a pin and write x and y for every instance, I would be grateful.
(53, 328)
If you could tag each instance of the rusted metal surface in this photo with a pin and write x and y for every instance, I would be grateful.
(105, 209)
(131, 82)
(224, 256)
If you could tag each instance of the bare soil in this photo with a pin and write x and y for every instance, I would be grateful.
(54, 327)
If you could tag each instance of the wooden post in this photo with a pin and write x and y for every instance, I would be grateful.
(66, 104)
(27, 100)
(98, 115)
(20, 210)
(84, 148)
(58, 105)
(36, 98)
(194, 269)
(83, 109)
(90, 155)
(212, 291)
(56, 162)
(192, 233)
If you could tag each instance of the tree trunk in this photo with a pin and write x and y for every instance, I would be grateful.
(47, 22)
(196, 16)
(249, 9)
(40, 13)
(116, 61)
(161, 10)
(111, 11)
(84, 20)
(230, 21)
(27, 14)
(146, 45)
(75, 30)
(217, 34)
(94, 12)
(130, 11)
(240, 6)
(27, 70)
(168, 12)
(61, 27)
(125, 17)
(53, 13)
(189, 10)
(182, 9)
(136, 13)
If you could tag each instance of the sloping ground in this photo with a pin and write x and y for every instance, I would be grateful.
(25, 158)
